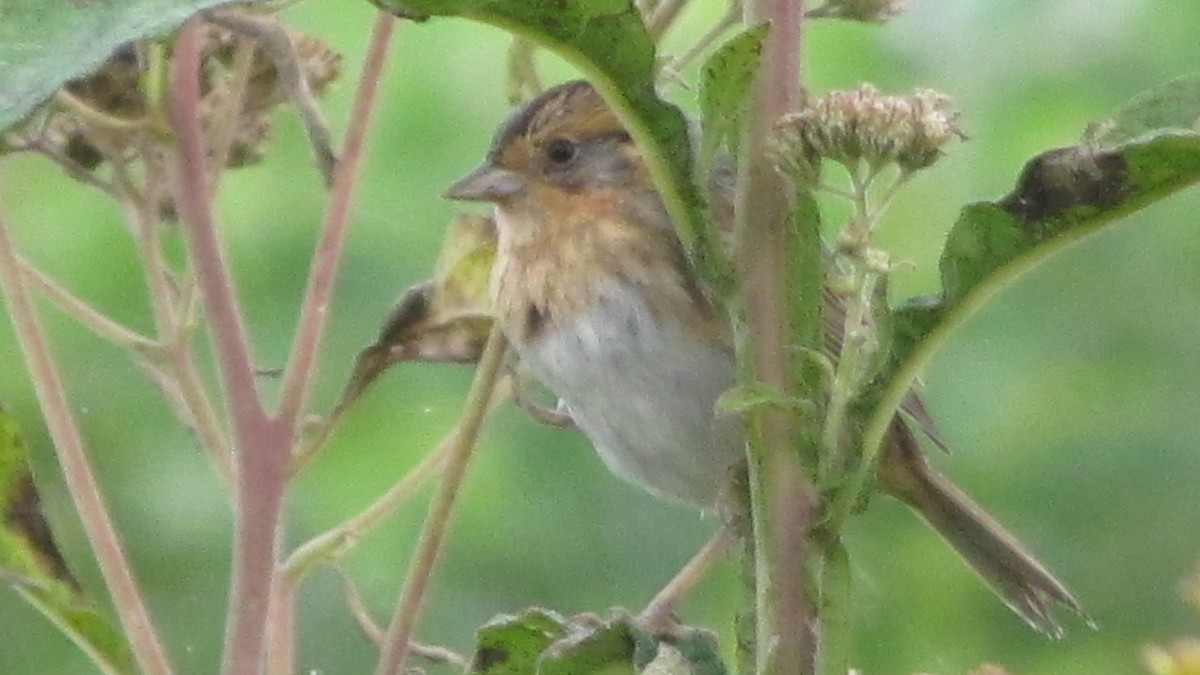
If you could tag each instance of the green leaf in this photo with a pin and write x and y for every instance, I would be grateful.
(512, 644)
(31, 564)
(689, 651)
(725, 83)
(749, 397)
(45, 43)
(607, 40)
(1172, 106)
(540, 642)
(1061, 196)
(603, 649)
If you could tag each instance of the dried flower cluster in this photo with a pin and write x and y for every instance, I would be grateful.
(863, 125)
(870, 11)
(107, 114)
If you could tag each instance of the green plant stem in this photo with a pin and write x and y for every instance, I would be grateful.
(836, 619)
(404, 619)
(773, 247)
(81, 482)
(37, 600)
(79, 310)
(745, 624)
(302, 363)
(329, 547)
(673, 68)
(262, 443)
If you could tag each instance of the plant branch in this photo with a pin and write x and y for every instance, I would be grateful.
(212, 274)
(281, 635)
(277, 45)
(329, 547)
(81, 482)
(262, 443)
(404, 619)
(225, 123)
(431, 653)
(662, 607)
(672, 69)
(72, 169)
(302, 364)
(778, 262)
(174, 320)
(663, 16)
(76, 308)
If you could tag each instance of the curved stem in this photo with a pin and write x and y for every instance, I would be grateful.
(660, 610)
(74, 307)
(315, 309)
(173, 319)
(329, 546)
(81, 482)
(404, 619)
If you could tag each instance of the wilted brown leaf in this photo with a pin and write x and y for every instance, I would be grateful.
(445, 319)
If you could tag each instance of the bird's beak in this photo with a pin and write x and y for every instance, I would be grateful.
(488, 183)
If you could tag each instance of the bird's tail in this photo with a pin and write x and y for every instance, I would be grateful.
(1023, 583)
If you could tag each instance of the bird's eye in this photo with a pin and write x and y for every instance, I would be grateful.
(561, 151)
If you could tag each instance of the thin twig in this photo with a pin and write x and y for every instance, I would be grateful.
(404, 619)
(362, 616)
(555, 417)
(85, 491)
(330, 546)
(310, 328)
(142, 215)
(225, 122)
(76, 308)
(360, 613)
(95, 116)
(174, 315)
(277, 45)
(115, 155)
(672, 69)
(663, 17)
(659, 611)
(72, 168)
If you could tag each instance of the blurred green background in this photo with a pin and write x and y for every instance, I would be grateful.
(1072, 401)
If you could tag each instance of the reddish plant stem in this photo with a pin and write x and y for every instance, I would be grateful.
(172, 320)
(315, 310)
(262, 443)
(784, 498)
(85, 491)
(408, 607)
(281, 630)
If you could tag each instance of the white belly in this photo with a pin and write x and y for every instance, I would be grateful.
(644, 394)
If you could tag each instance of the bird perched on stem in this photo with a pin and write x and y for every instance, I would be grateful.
(592, 288)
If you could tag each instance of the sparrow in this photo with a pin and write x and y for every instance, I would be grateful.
(592, 288)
